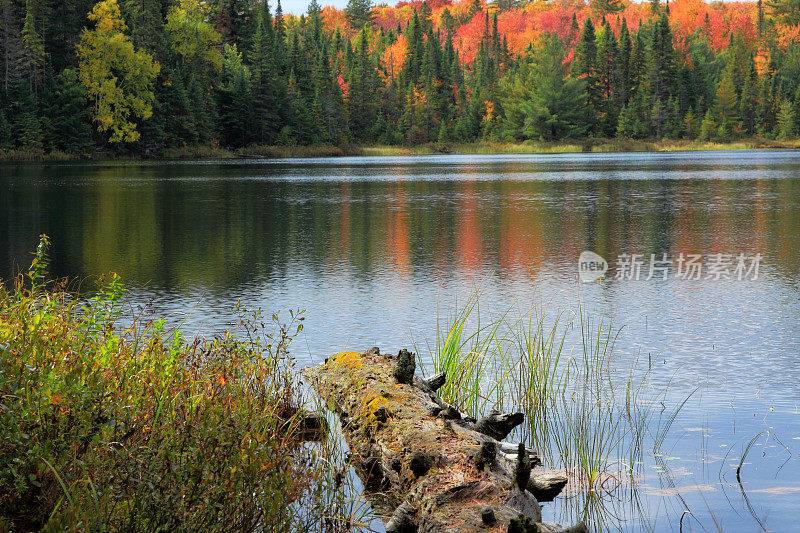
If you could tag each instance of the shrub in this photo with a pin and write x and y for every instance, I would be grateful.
(138, 429)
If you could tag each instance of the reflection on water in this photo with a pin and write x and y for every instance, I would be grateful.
(375, 248)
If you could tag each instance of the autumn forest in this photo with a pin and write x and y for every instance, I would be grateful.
(143, 77)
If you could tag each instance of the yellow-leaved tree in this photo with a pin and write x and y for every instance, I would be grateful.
(117, 77)
(191, 35)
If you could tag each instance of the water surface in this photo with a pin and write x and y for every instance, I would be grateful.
(375, 248)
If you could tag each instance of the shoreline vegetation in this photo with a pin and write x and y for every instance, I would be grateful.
(598, 145)
(108, 416)
(110, 420)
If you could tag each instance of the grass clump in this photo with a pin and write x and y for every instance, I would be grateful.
(102, 429)
(197, 152)
(286, 151)
(31, 155)
(583, 415)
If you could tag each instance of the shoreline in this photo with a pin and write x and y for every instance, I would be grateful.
(484, 148)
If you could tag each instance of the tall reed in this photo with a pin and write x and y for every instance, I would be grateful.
(581, 416)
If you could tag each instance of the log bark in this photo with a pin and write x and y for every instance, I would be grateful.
(420, 458)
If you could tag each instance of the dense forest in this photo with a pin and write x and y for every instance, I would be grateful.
(142, 77)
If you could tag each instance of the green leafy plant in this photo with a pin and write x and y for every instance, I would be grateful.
(109, 427)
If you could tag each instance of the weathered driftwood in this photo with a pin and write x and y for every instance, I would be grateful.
(437, 471)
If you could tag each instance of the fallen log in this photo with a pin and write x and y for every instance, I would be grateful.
(434, 469)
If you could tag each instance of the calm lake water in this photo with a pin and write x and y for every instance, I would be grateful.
(374, 249)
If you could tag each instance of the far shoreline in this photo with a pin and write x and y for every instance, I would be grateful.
(594, 145)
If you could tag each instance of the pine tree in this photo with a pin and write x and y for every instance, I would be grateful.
(412, 66)
(765, 110)
(607, 80)
(786, 124)
(786, 12)
(586, 69)
(541, 101)
(233, 21)
(234, 100)
(269, 91)
(6, 140)
(661, 72)
(637, 69)
(362, 105)
(708, 129)
(574, 29)
(726, 113)
(624, 64)
(28, 127)
(691, 127)
(33, 55)
(69, 126)
(748, 101)
(632, 124)
(606, 7)
(358, 13)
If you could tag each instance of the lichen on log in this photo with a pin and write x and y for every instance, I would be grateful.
(434, 472)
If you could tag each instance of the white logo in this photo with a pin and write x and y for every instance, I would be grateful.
(591, 267)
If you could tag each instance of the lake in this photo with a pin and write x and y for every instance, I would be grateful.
(702, 250)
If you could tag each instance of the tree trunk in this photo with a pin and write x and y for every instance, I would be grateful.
(420, 459)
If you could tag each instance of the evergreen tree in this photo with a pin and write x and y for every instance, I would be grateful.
(6, 140)
(586, 69)
(235, 101)
(786, 124)
(28, 127)
(765, 109)
(634, 122)
(608, 81)
(362, 105)
(269, 92)
(69, 126)
(786, 12)
(606, 7)
(726, 113)
(708, 129)
(624, 83)
(358, 12)
(542, 101)
(748, 101)
(662, 75)
(691, 127)
(33, 55)
(233, 21)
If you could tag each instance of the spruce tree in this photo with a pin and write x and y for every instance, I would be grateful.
(608, 77)
(362, 104)
(69, 126)
(586, 69)
(358, 13)
(786, 124)
(748, 101)
(33, 54)
(234, 100)
(624, 63)
(708, 129)
(726, 113)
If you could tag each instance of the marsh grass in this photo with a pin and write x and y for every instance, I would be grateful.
(141, 430)
(596, 145)
(197, 152)
(585, 413)
(320, 150)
